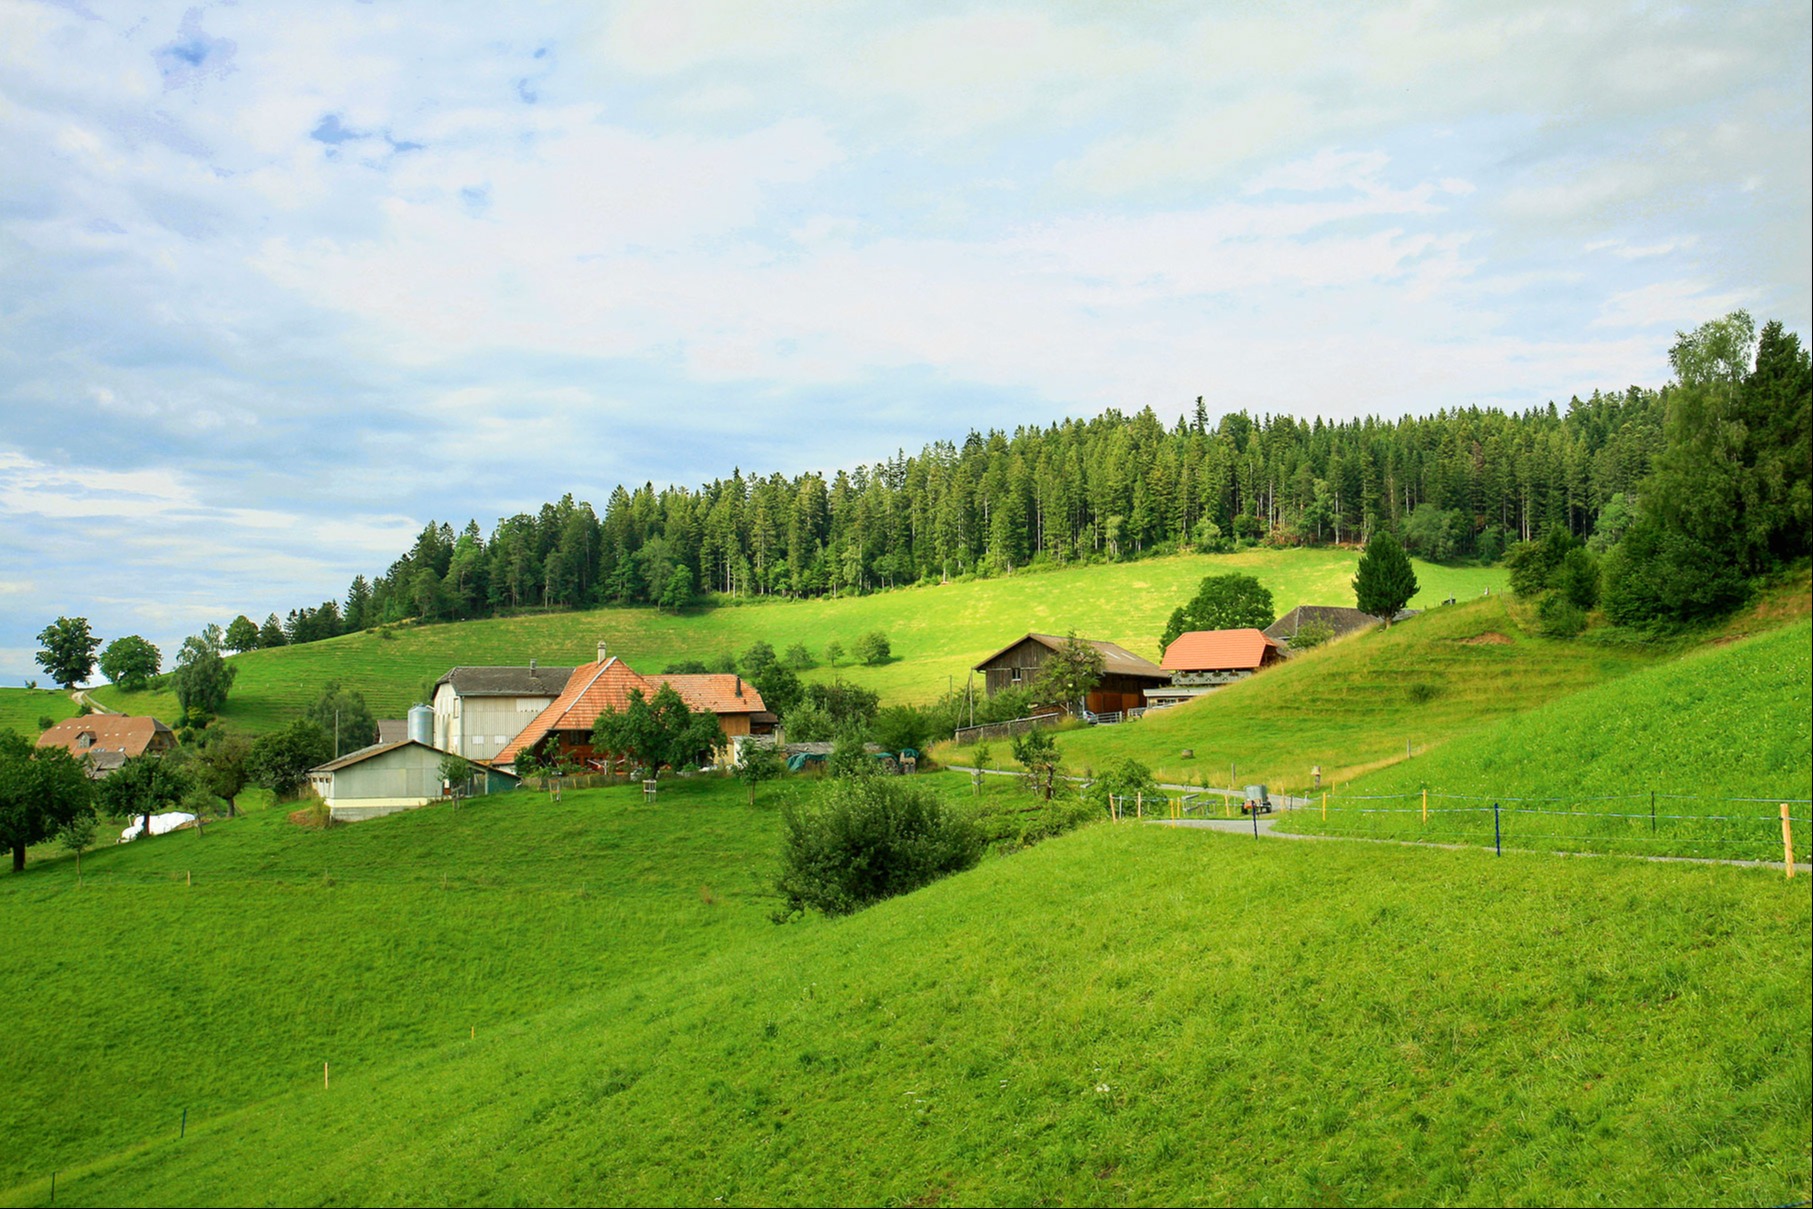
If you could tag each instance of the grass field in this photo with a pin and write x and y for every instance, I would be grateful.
(1352, 705)
(1126, 1014)
(1704, 732)
(938, 633)
(20, 708)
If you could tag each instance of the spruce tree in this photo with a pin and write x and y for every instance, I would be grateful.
(1385, 582)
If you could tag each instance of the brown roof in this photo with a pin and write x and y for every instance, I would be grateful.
(1116, 660)
(716, 692)
(1217, 651)
(112, 732)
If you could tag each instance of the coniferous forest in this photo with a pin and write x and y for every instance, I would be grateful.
(1704, 481)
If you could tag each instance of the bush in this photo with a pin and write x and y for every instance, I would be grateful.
(1560, 617)
(1311, 635)
(864, 839)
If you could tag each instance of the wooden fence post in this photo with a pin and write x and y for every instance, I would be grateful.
(1325, 808)
(1787, 841)
(1425, 807)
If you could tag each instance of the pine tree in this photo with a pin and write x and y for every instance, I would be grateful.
(1385, 582)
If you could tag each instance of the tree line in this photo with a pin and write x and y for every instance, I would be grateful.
(1460, 484)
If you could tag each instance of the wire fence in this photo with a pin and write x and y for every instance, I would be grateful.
(1660, 824)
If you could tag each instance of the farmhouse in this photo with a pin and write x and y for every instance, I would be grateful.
(478, 710)
(1126, 678)
(105, 741)
(607, 684)
(388, 777)
(1204, 660)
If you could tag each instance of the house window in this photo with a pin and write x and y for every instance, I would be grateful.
(1016, 676)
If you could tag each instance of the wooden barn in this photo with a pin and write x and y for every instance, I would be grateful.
(1125, 676)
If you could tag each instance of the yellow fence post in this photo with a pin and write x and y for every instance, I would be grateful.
(1787, 841)
(1139, 804)
(1425, 806)
(1325, 808)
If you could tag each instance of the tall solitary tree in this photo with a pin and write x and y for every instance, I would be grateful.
(42, 790)
(1385, 582)
(143, 786)
(68, 653)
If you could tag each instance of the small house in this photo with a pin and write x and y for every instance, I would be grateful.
(1126, 678)
(1203, 660)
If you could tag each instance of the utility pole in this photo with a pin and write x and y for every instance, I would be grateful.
(336, 734)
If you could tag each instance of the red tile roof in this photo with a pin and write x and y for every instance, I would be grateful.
(718, 693)
(590, 690)
(1217, 651)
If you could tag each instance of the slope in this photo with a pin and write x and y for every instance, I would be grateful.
(1354, 704)
(20, 709)
(938, 632)
(1705, 732)
(1129, 1014)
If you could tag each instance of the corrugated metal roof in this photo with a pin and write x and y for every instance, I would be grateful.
(1115, 659)
(534, 681)
(1217, 651)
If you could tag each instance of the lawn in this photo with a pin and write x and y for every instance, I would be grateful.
(937, 632)
(20, 709)
(1129, 1014)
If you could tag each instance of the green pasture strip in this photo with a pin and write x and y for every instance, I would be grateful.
(1125, 1015)
(20, 709)
(141, 994)
(1353, 703)
(1720, 737)
(938, 633)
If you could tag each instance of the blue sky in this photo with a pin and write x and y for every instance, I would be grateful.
(278, 284)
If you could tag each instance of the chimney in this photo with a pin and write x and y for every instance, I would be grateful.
(601, 653)
(531, 665)
(739, 686)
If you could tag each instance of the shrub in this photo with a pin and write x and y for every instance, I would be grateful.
(1560, 617)
(1311, 635)
(863, 839)
(799, 658)
(873, 648)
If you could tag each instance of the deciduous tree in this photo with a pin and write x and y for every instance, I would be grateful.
(42, 790)
(1222, 602)
(1070, 673)
(130, 662)
(143, 786)
(68, 653)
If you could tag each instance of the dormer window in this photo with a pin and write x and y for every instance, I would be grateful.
(85, 740)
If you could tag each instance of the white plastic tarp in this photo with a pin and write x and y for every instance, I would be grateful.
(160, 823)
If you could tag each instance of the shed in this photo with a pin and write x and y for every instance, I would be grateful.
(1125, 676)
(388, 777)
(1203, 660)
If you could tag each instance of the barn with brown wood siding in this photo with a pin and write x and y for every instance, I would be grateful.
(1125, 676)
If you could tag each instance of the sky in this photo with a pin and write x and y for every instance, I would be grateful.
(281, 283)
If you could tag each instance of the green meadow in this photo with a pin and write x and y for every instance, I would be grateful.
(1720, 736)
(594, 1008)
(938, 633)
(1354, 704)
(20, 708)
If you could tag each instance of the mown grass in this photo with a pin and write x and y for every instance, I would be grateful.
(1354, 704)
(20, 709)
(1127, 1014)
(938, 633)
(1724, 724)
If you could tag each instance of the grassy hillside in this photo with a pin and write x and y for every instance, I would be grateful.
(1724, 723)
(1127, 1014)
(1353, 704)
(938, 633)
(20, 708)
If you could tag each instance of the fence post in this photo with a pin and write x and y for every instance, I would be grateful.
(1425, 807)
(1787, 841)
(1498, 841)
(1255, 820)
(1325, 808)
(1139, 804)
(1652, 812)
